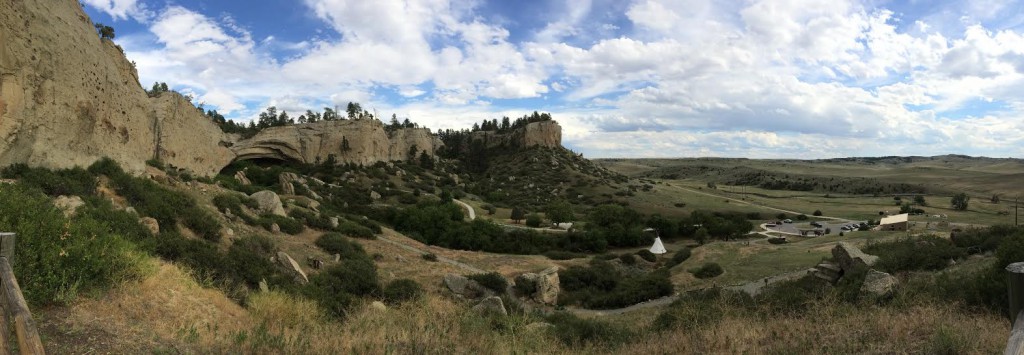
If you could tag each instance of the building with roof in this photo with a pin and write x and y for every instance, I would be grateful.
(894, 223)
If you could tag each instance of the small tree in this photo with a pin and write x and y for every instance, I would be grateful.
(817, 213)
(534, 220)
(104, 30)
(920, 200)
(426, 161)
(960, 201)
(701, 235)
(517, 214)
(559, 211)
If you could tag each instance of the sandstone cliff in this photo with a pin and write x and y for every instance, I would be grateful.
(69, 98)
(368, 142)
(544, 133)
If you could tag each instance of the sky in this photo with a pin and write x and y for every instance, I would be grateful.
(625, 78)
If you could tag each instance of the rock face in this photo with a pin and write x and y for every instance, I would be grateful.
(292, 266)
(151, 224)
(491, 305)
(68, 98)
(68, 204)
(460, 285)
(268, 202)
(544, 134)
(879, 284)
(850, 257)
(367, 141)
(545, 285)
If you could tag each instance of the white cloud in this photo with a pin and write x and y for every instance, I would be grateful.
(121, 9)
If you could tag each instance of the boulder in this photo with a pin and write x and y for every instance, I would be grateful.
(268, 202)
(292, 266)
(545, 285)
(879, 284)
(242, 179)
(68, 204)
(131, 210)
(274, 228)
(334, 222)
(263, 286)
(463, 286)
(850, 257)
(151, 224)
(287, 188)
(287, 181)
(378, 306)
(491, 305)
(374, 195)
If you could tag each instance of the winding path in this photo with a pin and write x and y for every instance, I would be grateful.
(472, 212)
(442, 259)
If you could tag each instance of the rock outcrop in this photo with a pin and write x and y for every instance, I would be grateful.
(491, 305)
(544, 134)
(878, 284)
(349, 141)
(68, 204)
(850, 257)
(462, 286)
(292, 266)
(69, 98)
(544, 285)
(268, 202)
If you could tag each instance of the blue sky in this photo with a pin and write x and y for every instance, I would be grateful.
(638, 78)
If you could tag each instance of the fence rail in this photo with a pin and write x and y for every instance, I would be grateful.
(13, 306)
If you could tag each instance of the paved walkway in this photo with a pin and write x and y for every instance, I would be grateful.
(472, 213)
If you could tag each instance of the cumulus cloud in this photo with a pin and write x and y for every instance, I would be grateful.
(121, 9)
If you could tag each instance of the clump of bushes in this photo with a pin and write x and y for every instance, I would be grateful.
(430, 257)
(491, 280)
(647, 255)
(75, 181)
(287, 225)
(234, 203)
(534, 220)
(55, 258)
(679, 257)
(627, 259)
(336, 243)
(926, 252)
(577, 332)
(562, 255)
(311, 219)
(601, 286)
(401, 290)
(708, 270)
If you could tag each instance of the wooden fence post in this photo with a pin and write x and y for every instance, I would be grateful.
(1015, 290)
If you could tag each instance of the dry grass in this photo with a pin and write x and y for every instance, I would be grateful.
(836, 328)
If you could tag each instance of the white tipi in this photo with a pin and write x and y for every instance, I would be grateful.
(658, 248)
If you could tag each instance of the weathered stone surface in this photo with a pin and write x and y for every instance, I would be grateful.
(544, 134)
(292, 266)
(242, 179)
(268, 202)
(334, 221)
(312, 143)
(879, 284)
(274, 228)
(463, 286)
(69, 98)
(151, 224)
(545, 285)
(68, 204)
(850, 257)
(491, 305)
(374, 195)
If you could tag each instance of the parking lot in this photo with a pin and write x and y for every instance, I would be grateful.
(794, 228)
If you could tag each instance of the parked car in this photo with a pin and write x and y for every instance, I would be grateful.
(816, 224)
(787, 221)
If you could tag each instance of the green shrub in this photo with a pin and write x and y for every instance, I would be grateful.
(75, 181)
(647, 255)
(401, 290)
(311, 219)
(817, 213)
(708, 270)
(56, 259)
(248, 260)
(562, 255)
(335, 243)
(353, 229)
(491, 280)
(627, 259)
(338, 287)
(679, 257)
(801, 217)
(287, 225)
(430, 257)
(926, 252)
(202, 223)
(691, 311)
(534, 220)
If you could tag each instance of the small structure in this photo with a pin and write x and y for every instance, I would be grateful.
(658, 248)
(894, 223)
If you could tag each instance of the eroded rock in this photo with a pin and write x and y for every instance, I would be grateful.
(268, 202)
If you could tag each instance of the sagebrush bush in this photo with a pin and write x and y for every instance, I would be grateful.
(336, 243)
(491, 280)
(647, 255)
(287, 225)
(401, 290)
(927, 252)
(679, 257)
(55, 259)
(338, 287)
(708, 270)
(75, 181)
(534, 220)
(202, 223)
(577, 332)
